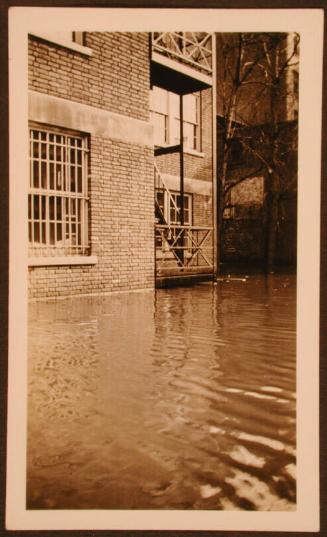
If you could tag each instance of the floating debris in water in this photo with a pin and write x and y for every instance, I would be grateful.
(230, 278)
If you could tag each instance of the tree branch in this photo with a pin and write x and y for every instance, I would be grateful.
(242, 179)
(260, 157)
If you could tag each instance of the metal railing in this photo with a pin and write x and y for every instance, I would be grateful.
(190, 246)
(191, 48)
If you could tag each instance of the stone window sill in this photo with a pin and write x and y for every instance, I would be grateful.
(187, 151)
(65, 260)
(194, 153)
(71, 45)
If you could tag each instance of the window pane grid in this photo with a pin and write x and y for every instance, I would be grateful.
(160, 123)
(165, 118)
(190, 123)
(58, 194)
(174, 217)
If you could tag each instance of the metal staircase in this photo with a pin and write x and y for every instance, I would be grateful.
(170, 236)
(186, 244)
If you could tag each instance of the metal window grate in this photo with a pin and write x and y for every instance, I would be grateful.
(57, 201)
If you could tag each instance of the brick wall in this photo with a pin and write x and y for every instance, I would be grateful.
(243, 241)
(202, 210)
(120, 174)
(116, 77)
(120, 227)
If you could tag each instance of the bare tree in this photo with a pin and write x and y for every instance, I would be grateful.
(257, 106)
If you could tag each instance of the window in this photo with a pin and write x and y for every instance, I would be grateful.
(165, 117)
(78, 37)
(175, 204)
(191, 122)
(57, 201)
(170, 209)
(71, 40)
(159, 115)
(66, 37)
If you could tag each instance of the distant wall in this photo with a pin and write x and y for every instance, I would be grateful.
(244, 221)
(243, 236)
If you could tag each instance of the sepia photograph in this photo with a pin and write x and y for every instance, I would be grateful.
(163, 269)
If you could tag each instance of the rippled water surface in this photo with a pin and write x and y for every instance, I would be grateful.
(176, 399)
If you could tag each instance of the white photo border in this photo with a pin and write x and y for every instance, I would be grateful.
(309, 24)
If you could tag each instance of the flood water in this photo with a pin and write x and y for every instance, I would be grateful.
(175, 399)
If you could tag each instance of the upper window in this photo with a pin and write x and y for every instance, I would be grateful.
(160, 115)
(68, 39)
(57, 201)
(79, 38)
(165, 117)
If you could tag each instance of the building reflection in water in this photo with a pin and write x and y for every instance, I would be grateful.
(179, 399)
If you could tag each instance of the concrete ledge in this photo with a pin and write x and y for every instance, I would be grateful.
(194, 152)
(60, 112)
(185, 280)
(95, 294)
(64, 260)
(192, 186)
(186, 151)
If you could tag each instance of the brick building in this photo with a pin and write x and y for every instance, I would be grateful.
(122, 160)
